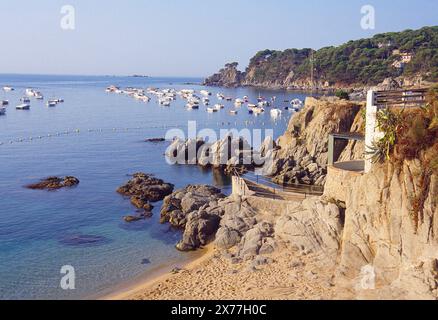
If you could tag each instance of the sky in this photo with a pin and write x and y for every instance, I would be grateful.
(187, 38)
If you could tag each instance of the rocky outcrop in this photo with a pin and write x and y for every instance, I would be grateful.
(227, 154)
(197, 211)
(229, 76)
(54, 183)
(302, 152)
(144, 188)
(315, 225)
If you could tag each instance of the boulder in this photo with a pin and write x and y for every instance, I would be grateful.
(227, 238)
(177, 206)
(200, 229)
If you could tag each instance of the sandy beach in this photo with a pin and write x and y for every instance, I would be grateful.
(287, 275)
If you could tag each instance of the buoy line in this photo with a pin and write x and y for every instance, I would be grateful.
(78, 131)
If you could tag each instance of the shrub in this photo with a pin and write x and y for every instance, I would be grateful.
(343, 95)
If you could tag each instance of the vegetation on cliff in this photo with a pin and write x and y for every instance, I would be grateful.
(364, 62)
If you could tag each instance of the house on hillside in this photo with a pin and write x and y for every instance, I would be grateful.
(402, 59)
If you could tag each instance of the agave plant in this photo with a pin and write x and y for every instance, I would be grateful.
(377, 152)
(388, 122)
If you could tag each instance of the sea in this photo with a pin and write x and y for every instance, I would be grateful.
(100, 138)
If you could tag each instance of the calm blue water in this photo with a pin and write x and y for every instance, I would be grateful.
(78, 138)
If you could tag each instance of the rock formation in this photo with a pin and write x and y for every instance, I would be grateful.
(302, 152)
(143, 189)
(228, 154)
(54, 183)
(196, 210)
(229, 76)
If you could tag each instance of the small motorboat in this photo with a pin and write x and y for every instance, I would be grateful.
(8, 89)
(51, 103)
(205, 93)
(39, 96)
(211, 110)
(25, 100)
(219, 107)
(30, 92)
(192, 106)
(2, 111)
(233, 112)
(24, 106)
(296, 103)
(258, 110)
(4, 103)
(220, 96)
(275, 113)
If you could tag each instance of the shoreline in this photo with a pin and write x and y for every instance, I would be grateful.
(158, 275)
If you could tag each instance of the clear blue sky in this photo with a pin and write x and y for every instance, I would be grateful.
(183, 37)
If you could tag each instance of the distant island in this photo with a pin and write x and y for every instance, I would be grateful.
(409, 58)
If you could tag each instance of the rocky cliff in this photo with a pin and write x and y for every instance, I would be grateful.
(302, 152)
(388, 232)
(229, 76)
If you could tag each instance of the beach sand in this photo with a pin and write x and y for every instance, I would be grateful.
(290, 276)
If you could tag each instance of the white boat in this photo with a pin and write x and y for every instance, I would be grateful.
(24, 106)
(30, 92)
(4, 103)
(220, 96)
(296, 103)
(25, 100)
(233, 112)
(2, 111)
(192, 106)
(39, 96)
(275, 113)
(211, 110)
(51, 103)
(219, 107)
(206, 101)
(205, 93)
(8, 89)
(258, 110)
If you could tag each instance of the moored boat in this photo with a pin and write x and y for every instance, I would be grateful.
(218, 106)
(2, 111)
(192, 106)
(25, 100)
(4, 103)
(275, 113)
(8, 89)
(24, 106)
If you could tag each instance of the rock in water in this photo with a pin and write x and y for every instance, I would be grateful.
(155, 140)
(54, 183)
(83, 240)
(144, 187)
